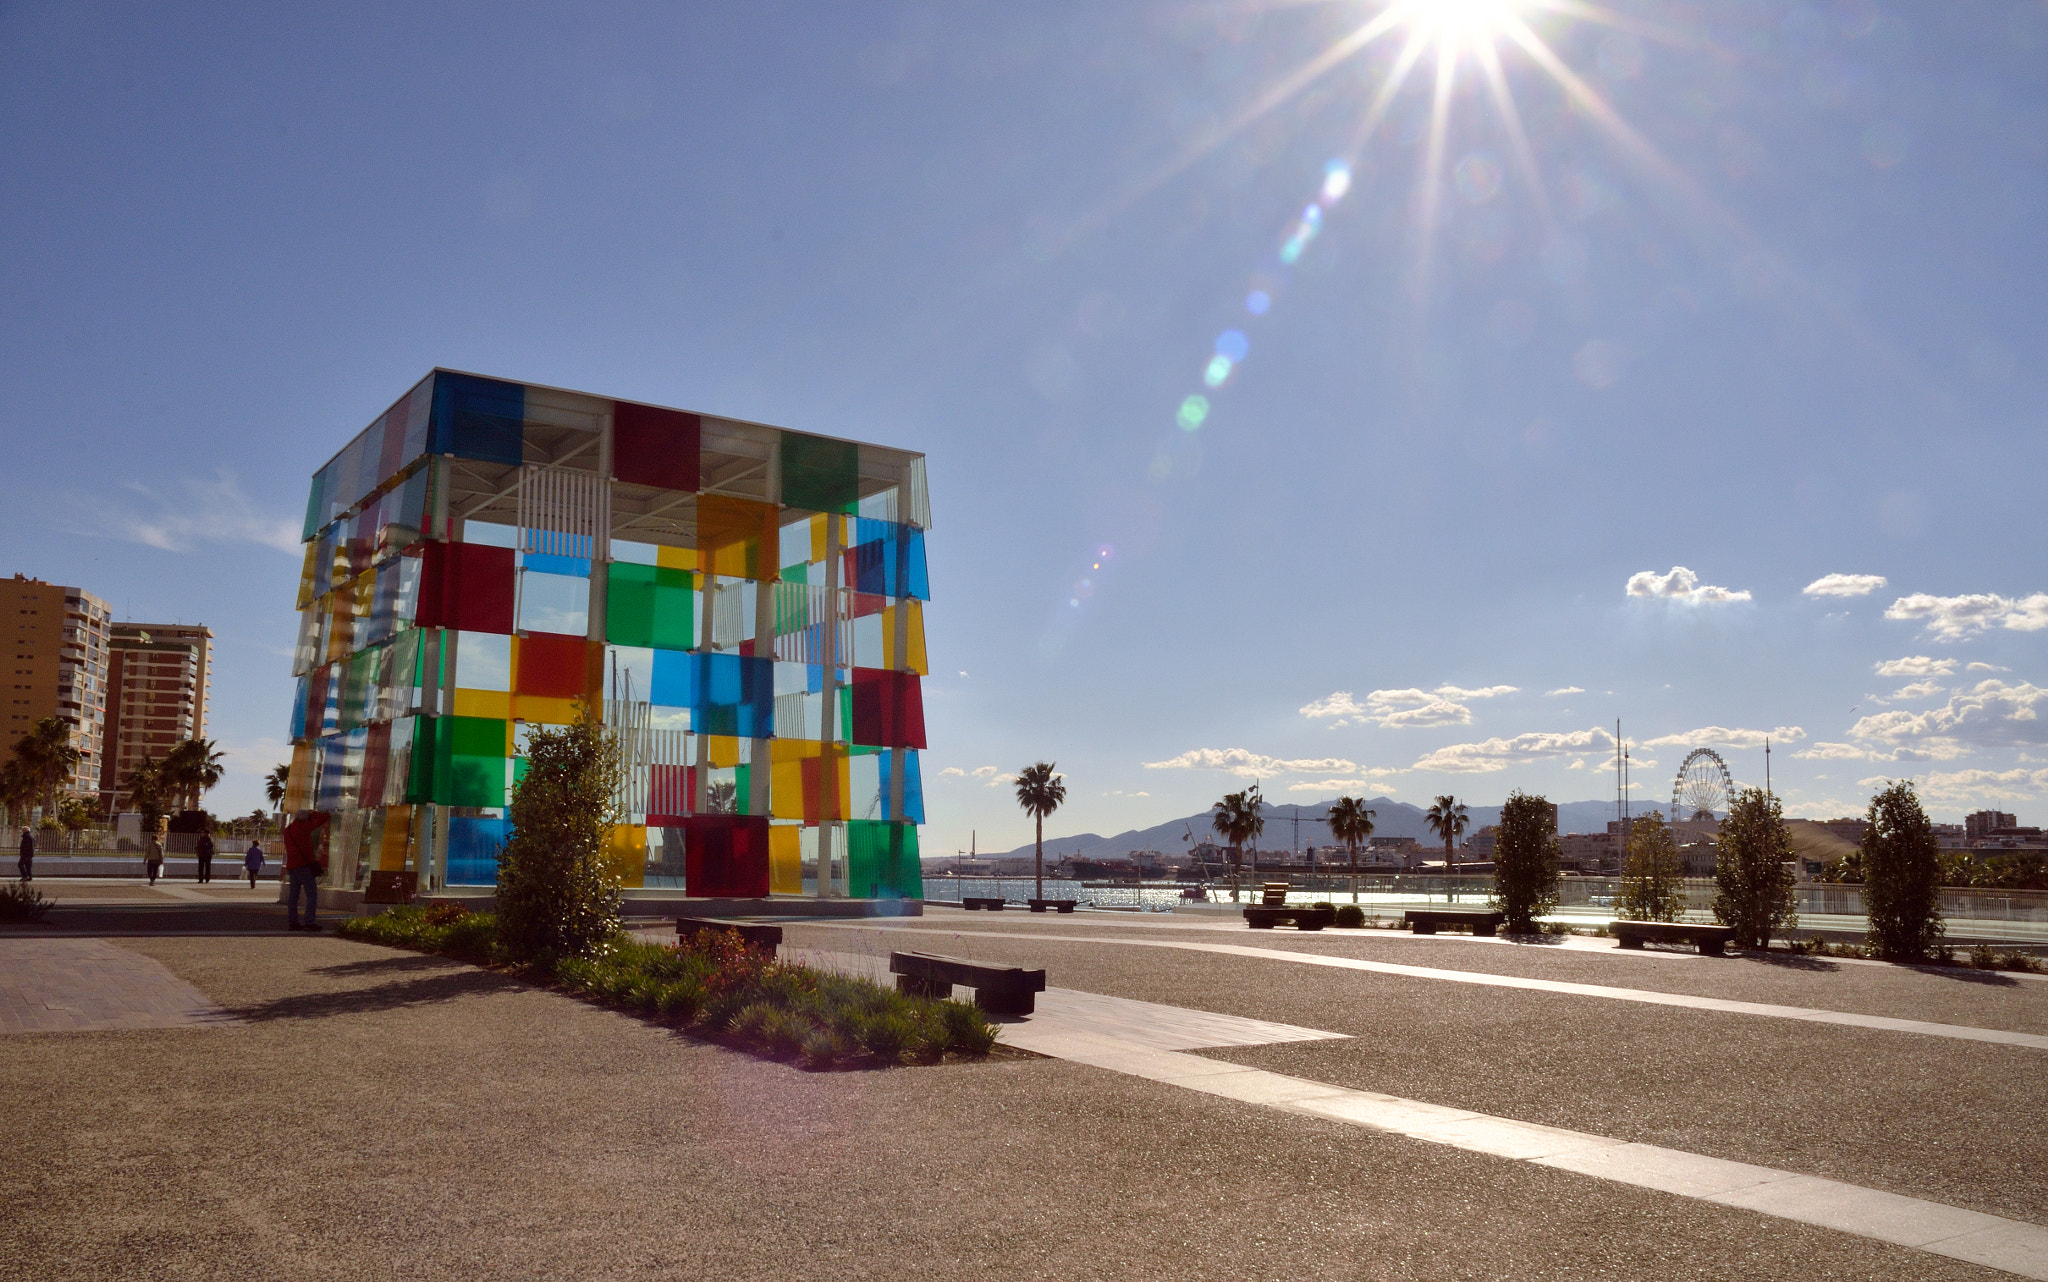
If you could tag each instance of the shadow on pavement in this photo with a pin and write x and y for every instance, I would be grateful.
(397, 995)
(389, 965)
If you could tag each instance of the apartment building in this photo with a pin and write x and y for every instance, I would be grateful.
(156, 696)
(56, 640)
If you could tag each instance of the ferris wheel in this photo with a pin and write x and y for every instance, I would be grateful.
(1703, 787)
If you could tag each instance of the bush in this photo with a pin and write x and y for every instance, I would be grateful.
(1902, 869)
(23, 903)
(1752, 877)
(557, 894)
(1652, 880)
(1525, 861)
(1351, 917)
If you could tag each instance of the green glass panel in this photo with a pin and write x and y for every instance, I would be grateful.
(650, 605)
(743, 789)
(881, 860)
(477, 737)
(428, 746)
(820, 474)
(476, 781)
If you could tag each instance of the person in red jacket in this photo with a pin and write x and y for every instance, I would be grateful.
(304, 863)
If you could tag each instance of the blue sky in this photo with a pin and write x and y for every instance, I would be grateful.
(1497, 467)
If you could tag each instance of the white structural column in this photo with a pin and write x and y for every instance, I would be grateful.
(759, 771)
(828, 773)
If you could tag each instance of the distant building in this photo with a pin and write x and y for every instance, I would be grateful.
(1588, 850)
(1949, 836)
(1849, 830)
(58, 640)
(156, 696)
(1982, 823)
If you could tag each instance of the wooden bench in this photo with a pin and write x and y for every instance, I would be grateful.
(753, 934)
(1000, 990)
(1315, 917)
(1710, 940)
(1041, 905)
(1425, 921)
(993, 903)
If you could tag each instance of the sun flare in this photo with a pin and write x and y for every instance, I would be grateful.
(1459, 25)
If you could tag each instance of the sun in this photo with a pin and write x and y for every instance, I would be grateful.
(1458, 23)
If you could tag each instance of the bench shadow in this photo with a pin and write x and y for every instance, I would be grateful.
(388, 965)
(397, 995)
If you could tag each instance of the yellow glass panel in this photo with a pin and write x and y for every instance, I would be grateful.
(722, 751)
(782, 750)
(341, 631)
(397, 840)
(785, 861)
(890, 659)
(626, 854)
(786, 790)
(495, 704)
(818, 529)
(298, 787)
(306, 574)
(675, 558)
(544, 710)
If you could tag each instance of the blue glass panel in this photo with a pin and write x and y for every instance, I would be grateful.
(473, 846)
(735, 696)
(299, 711)
(889, 559)
(674, 680)
(547, 563)
(478, 418)
(913, 787)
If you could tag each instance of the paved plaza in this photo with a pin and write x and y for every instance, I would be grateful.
(1200, 1102)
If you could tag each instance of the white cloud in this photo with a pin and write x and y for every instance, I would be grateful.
(1951, 618)
(1252, 765)
(1844, 585)
(197, 512)
(1345, 785)
(1483, 692)
(1681, 584)
(1990, 713)
(1984, 785)
(1566, 690)
(1916, 665)
(1825, 751)
(1723, 737)
(952, 772)
(1985, 667)
(1498, 754)
(1410, 708)
(1918, 690)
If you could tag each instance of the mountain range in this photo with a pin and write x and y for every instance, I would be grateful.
(1391, 819)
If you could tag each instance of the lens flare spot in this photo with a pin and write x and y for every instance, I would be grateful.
(1478, 177)
(1218, 371)
(1336, 181)
(1192, 411)
(1085, 588)
(1258, 302)
(1232, 345)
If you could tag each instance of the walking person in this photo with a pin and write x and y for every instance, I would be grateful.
(28, 855)
(252, 862)
(303, 865)
(153, 857)
(204, 849)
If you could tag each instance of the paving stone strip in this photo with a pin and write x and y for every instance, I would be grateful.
(89, 985)
(2035, 1041)
(2013, 1246)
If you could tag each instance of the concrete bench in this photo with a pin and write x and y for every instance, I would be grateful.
(1425, 921)
(1000, 990)
(1059, 905)
(753, 934)
(1275, 895)
(1312, 918)
(993, 903)
(1710, 940)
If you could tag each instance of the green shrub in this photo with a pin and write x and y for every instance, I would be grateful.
(1525, 869)
(1752, 874)
(557, 895)
(1351, 917)
(1902, 867)
(23, 903)
(1652, 879)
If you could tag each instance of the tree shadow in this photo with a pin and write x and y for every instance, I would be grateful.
(1790, 961)
(448, 986)
(1961, 974)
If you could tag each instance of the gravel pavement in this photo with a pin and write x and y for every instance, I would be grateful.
(377, 1114)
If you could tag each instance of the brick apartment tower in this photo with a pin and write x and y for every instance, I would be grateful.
(57, 667)
(156, 696)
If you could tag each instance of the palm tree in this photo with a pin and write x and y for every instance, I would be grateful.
(49, 757)
(1446, 818)
(192, 768)
(1351, 823)
(275, 785)
(1040, 792)
(147, 789)
(1237, 819)
(18, 788)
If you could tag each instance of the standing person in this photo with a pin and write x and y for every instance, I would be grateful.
(204, 849)
(153, 856)
(303, 865)
(253, 862)
(28, 855)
